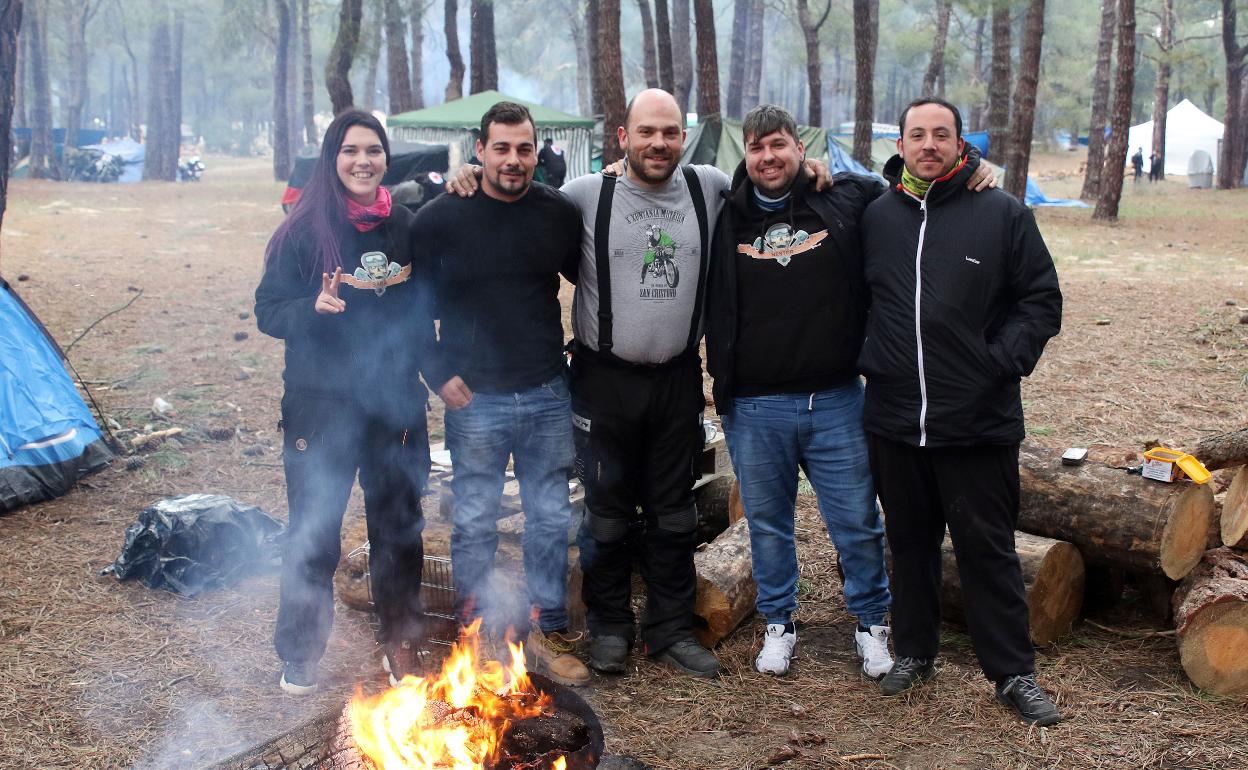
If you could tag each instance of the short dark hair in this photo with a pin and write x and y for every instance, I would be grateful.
(957, 116)
(766, 119)
(509, 114)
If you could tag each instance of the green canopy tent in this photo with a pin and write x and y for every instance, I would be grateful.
(455, 123)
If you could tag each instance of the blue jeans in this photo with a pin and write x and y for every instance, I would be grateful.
(769, 438)
(534, 426)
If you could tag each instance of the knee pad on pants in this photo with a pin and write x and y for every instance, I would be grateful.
(681, 522)
(606, 529)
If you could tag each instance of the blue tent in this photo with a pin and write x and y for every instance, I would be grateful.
(48, 438)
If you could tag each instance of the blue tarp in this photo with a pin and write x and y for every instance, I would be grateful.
(48, 438)
(130, 152)
(840, 161)
(1037, 198)
(980, 140)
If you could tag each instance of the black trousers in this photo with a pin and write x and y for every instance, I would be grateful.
(638, 434)
(326, 441)
(973, 490)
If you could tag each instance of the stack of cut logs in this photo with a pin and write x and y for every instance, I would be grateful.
(1096, 513)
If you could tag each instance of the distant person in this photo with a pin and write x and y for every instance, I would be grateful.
(552, 162)
(353, 400)
(1154, 167)
(1137, 164)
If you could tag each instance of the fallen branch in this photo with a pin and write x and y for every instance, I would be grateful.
(101, 318)
(861, 757)
(154, 437)
(1129, 634)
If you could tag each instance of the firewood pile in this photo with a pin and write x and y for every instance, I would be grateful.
(1085, 530)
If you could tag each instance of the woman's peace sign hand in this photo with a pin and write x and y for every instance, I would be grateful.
(327, 301)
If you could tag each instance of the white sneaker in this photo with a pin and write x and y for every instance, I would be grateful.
(777, 650)
(873, 649)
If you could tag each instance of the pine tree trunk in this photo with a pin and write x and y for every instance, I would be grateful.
(76, 20)
(682, 56)
(10, 55)
(309, 87)
(41, 164)
(1161, 88)
(454, 83)
(157, 124)
(1120, 123)
(1231, 158)
(976, 121)
(737, 60)
(1018, 157)
(936, 63)
(293, 129)
(338, 66)
(398, 82)
(482, 51)
(418, 52)
(576, 21)
(134, 98)
(21, 66)
(999, 83)
(866, 35)
(750, 93)
(281, 89)
(663, 26)
(1100, 101)
(612, 78)
(814, 62)
(372, 38)
(650, 64)
(592, 17)
(173, 97)
(708, 60)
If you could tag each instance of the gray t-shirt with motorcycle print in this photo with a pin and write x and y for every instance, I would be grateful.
(655, 254)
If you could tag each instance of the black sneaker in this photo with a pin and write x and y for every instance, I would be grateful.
(608, 653)
(401, 659)
(692, 658)
(298, 677)
(907, 673)
(1024, 696)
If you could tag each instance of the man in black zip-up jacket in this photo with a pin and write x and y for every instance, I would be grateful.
(964, 296)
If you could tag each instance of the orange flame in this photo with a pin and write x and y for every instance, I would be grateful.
(454, 721)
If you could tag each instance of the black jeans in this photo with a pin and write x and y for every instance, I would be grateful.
(326, 441)
(638, 434)
(973, 490)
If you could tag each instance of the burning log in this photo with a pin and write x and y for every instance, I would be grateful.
(726, 589)
(1235, 511)
(1223, 450)
(1211, 618)
(1115, 518)
(1052, 575)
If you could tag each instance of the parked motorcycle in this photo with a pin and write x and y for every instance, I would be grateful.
(191, 169)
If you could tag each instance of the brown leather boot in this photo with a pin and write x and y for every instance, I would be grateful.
(552, 655)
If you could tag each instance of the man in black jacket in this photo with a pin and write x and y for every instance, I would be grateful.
(964, 297)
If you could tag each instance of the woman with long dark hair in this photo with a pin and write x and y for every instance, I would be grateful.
(341, 290)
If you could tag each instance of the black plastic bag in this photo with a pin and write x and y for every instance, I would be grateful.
(192, 543)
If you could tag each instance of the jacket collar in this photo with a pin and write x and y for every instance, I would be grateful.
(940, 190)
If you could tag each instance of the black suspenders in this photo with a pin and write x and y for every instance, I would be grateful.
(602, 258)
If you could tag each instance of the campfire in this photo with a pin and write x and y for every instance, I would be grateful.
(474, 715)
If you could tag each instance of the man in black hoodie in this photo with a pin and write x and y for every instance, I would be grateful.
(785, 314)
(964, 297)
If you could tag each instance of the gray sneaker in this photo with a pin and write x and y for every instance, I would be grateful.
(690, 657)
(298, 677)
(1022, 694)
(608, 653)
(907, 673)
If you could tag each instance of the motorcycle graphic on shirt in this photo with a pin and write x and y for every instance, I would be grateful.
(660, 257)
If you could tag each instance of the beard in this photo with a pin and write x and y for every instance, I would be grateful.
(637, 162)
(510, 185)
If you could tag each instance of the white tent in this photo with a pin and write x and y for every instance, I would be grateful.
(1188, 129)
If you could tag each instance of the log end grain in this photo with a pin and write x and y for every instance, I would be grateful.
(1214, 649)
(1056, 594)
(1189, 530)
(1234, 523)
(726, 590)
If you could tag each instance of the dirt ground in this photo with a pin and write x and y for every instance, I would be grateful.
(99, 674)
